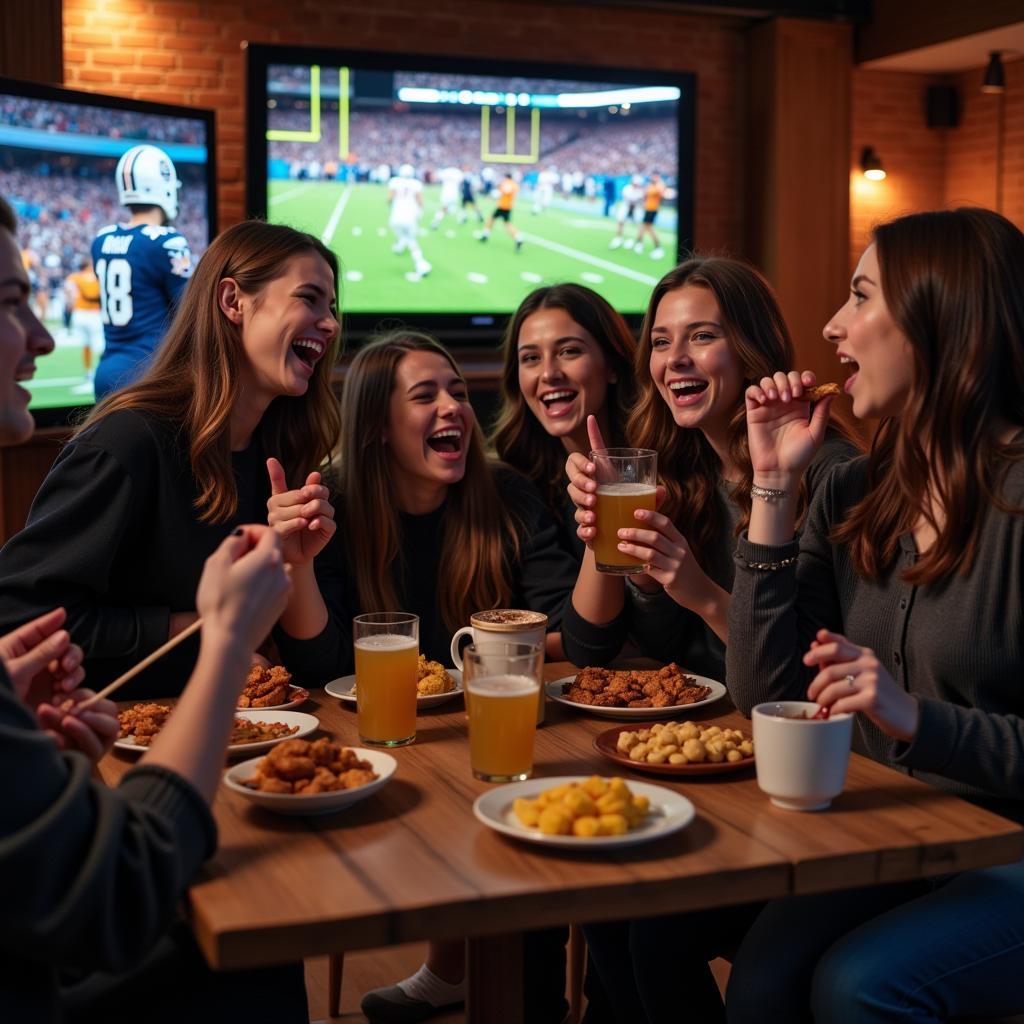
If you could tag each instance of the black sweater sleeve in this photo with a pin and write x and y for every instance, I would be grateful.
(89, 876)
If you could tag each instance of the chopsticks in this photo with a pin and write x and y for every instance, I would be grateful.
(145, 663)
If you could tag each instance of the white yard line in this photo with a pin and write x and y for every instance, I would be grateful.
(339, 209)
(283, 197)
(594, 261)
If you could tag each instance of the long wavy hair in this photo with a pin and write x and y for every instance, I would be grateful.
(688, 466)
(194, 380)
(479, 543)
(952, 281)
(518, 437)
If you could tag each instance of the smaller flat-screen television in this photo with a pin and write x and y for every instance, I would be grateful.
(59, 150)
(402, 162)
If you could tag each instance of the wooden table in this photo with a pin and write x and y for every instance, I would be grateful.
(412, 862)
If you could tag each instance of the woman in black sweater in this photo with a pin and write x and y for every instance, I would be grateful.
(91, 876)
(162, 471)
(426, 524)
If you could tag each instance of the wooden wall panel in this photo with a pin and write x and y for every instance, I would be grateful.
(32, 40)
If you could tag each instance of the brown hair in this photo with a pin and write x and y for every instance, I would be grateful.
(688, 466)
(517, 436)
(193, 380)
(952, 282)
(479, 540)
(8, 218)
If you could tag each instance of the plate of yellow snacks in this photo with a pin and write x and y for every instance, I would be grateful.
(435, 684)
(678, 748)
(319, 777)
(580, 813)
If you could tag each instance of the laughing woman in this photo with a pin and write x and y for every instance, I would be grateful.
(426, 525)
(566, 355)
(162, 471)
(900, 602)
(712, 327)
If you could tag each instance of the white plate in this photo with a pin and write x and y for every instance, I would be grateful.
(669, 813)
(342, 689)
(306, 724)
(297, 696)
(718, 691)
(317, 803)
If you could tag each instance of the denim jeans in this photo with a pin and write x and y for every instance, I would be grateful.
(921, 951)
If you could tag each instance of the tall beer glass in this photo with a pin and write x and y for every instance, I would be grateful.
(627, 479)
(387, 647)
(502, 683)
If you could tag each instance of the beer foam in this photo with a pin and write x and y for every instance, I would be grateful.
(622, 489)
(510, 617)
(387, 642)
(504, 686)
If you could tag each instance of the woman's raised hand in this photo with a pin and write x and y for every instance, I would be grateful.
(582, 488)
(244, 587)
(781, 437)
(303, 518)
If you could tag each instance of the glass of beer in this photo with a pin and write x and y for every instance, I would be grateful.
(502, 681)
(387, 646)
(627, 479)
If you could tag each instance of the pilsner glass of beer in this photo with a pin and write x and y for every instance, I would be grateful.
(502, 681)
(627, 479)
(387, 646)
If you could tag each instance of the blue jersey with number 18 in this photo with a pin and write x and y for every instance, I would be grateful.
(141, 270)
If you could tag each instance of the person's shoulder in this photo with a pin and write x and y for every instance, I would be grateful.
(134, 437)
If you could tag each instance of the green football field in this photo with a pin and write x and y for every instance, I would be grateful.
(467, 275)
(60, 377)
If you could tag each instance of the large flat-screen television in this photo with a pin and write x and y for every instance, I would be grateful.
(450, 188)
(59, 150)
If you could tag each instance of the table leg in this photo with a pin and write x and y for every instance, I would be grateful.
(494, 979)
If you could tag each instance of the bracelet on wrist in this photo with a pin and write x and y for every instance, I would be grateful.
(768, 494)
(782, 563)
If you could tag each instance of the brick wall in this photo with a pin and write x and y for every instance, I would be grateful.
(931, 168)
(189, 52)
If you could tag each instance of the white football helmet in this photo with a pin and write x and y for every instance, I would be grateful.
(406, 171)
(146, 175)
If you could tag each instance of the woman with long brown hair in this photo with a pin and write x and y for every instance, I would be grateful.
(901, 603)
(566, 354)
(426, 524)
(713, 326)
(162, 471)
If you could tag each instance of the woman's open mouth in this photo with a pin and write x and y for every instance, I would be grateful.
(447, 443)
(308, 351)
(687, 391)
(854, 370)
(558, 403)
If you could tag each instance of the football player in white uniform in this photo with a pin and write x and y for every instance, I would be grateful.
(629, 208)
(451, 191)
(405, 194)
(545, 190)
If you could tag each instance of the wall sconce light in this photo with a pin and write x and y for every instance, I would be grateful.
(871, 165)
(995, 79)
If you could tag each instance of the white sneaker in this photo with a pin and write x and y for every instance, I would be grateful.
(615, 243)
(656, 254)
(628, 243)
(423, 268)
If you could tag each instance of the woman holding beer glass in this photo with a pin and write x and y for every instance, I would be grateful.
(162, 471)
(712, 326)
(426, 525)
(566, 355)
(900, 602)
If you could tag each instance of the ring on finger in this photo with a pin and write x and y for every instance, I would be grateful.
(848, 679)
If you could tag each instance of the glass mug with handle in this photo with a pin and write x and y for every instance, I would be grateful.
(512, 625)
(387, 646)
(502, 681)
(627, 479)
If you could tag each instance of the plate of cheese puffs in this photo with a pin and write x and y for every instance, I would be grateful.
(580, 813)
(435, 684)
(300, 777)
(678, 748)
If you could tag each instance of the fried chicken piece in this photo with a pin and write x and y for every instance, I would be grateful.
(324, 781)
(356, 777)
(270, 784)
(644, 702)
(265, 687)
(432, 678)
(322, 751)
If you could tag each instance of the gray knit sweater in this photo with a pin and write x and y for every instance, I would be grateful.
(957, 645)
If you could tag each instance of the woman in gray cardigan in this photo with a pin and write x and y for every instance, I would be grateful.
(902, 601)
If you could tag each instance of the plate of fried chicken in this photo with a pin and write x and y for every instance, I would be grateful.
(635, 693)
(271, 689)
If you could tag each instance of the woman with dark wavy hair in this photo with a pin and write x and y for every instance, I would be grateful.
(712, 327)
(901, 602)
(163, 470)
(566, 355)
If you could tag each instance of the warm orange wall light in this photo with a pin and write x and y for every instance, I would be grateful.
(871, 164)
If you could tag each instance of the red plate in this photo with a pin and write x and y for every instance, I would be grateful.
(604, 743)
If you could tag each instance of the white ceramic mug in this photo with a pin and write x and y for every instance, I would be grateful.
(515, 625)
(801, 761)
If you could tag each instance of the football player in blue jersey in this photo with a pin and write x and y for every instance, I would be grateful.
(142, 266)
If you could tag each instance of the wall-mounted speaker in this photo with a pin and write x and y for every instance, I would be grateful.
(942, 106)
